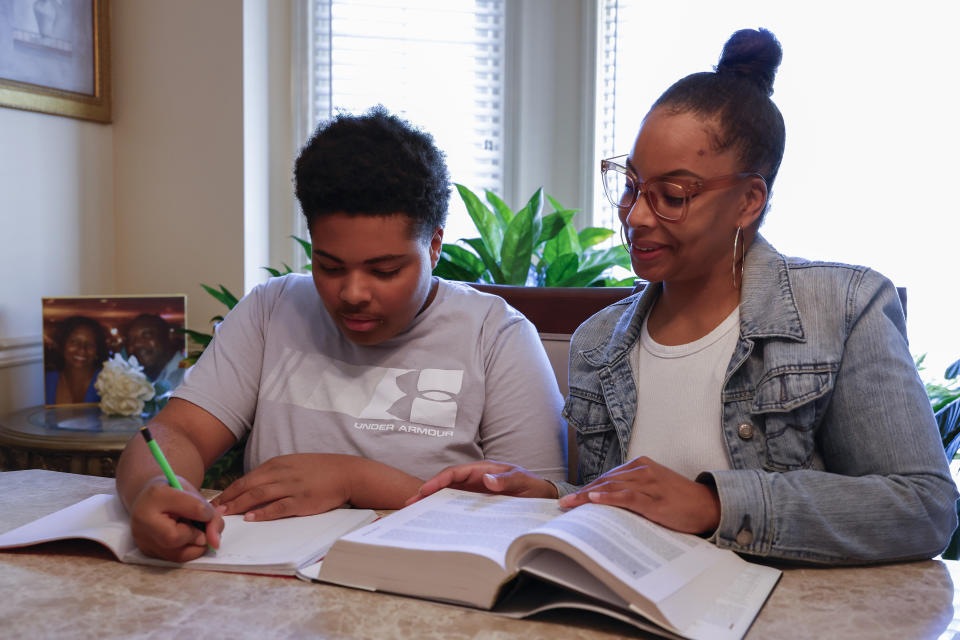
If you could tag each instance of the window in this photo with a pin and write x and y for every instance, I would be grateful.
(869, 103)
(437, 63)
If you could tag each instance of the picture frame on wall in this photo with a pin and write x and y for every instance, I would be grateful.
(55, 57)
(81, 333)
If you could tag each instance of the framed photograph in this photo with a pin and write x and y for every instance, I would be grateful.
(55, 57)
(80, 333)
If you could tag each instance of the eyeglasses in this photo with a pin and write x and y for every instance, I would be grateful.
(669, 198)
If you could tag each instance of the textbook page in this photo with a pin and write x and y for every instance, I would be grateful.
(462, 521)
(686, 583)
(575, 589)
(450, 546)
(648, 558)
(722, 602)
(271, 546)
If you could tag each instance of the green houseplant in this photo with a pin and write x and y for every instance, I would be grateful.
(945, 400)
(942, 393)
(528, 248)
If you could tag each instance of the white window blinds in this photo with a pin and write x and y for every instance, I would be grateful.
(436, 63)
(606, 147)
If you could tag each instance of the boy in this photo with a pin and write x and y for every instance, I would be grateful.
(354, 395)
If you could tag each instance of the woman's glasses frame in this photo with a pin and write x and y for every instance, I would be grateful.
(689, 189)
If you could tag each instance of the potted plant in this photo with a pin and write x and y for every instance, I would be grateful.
(528, 248)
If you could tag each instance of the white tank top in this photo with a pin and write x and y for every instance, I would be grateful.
(679, 412)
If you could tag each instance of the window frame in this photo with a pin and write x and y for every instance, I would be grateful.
(549, 82)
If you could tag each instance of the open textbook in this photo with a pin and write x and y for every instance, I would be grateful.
(277, 547)
(519, 556)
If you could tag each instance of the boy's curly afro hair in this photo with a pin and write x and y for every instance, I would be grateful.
(373, 164)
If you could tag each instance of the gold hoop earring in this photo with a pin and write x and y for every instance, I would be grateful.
(738, 241)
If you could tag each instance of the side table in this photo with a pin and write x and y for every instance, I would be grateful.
(70, 439)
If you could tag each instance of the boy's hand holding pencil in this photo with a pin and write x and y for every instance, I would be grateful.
(170, 519)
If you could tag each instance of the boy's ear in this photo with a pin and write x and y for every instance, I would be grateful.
(436, 245)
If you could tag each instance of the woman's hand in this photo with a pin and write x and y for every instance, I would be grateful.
(299, 484)
(655, 492)
(488, 476)
(158, 521)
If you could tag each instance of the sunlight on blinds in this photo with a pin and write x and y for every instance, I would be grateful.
(869, 101)
(436, 63)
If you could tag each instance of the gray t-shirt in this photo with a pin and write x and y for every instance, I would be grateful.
(467, 380)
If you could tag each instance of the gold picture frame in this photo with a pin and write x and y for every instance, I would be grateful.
(39, 51)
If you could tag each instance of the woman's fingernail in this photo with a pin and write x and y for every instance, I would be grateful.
(249, 516)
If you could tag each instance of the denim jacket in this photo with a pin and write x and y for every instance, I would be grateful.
(835, 455)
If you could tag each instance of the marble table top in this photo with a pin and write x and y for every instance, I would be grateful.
(77, 589)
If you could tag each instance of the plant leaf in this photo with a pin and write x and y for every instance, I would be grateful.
(612, 256)
(500, 208)
(953, 371)
(491, 263)
(223, 295)
(557, 206)
(307, 247)
(565, 242)
(491, 233)
(463, 258)
(273, 272)
(593, 235)
(535, 204)
(451, 271)
(561, 269)
(200, 338)
(582, 278)
(518, 246)
(232, 300)
(553, 223)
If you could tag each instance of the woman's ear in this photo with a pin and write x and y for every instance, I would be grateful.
(436, 246)
(754, 202)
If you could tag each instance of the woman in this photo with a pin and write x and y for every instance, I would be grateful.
(826, 449)
(82, 344)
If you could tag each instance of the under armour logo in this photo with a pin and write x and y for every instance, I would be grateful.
(429, 397)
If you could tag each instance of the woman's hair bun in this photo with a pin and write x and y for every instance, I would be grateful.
(752, 54)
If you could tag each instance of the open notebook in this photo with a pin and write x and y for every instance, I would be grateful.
(277, 547)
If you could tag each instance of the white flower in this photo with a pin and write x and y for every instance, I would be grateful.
(123, 387)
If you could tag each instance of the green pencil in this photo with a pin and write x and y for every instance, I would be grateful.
(172, 479)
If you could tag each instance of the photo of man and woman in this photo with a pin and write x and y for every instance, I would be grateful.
(80, 333)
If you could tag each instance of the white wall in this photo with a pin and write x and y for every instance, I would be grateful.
(178, 149)
(56, 233)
